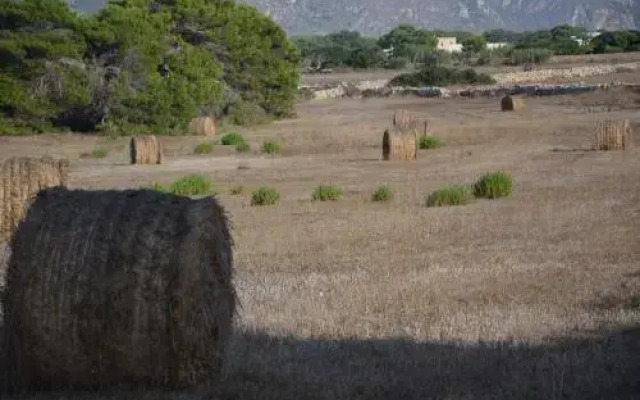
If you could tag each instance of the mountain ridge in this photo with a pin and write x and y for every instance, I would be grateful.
(375, 17)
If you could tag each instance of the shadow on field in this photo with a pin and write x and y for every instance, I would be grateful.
(267, 367)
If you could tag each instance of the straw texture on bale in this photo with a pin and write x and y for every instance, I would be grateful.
(146, 150)
(613, 135)
(512, 103)
(111, 289)
(398, 144)
(405, 121)
(202, 126)
(20, 179)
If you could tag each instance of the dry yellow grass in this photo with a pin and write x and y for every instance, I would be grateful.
(535, 296)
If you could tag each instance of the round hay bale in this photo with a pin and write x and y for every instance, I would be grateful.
(145, 150)
(511, 103)
(613, 135)
(118, 289)
(20, 179)
(202, 126)
(399, 144)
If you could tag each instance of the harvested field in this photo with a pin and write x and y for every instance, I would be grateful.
(534, 296)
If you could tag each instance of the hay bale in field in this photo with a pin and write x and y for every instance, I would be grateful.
(613, 135)
(512, 103)
(111, 289)
(145, 150)
(403, 120)
(399, 144)
(202, 126)
(20, 179)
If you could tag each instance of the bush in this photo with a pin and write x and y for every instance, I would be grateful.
(265, 196)
(243, 147)
(203, 148)
(453, 195)
(270, 147)
(192, 185)
(440, 76)
(232, 139)
(237, 190)
(529, 56)
(383, 193)
(429, 142)
(99, 153)
(493, 185)
(327, 192)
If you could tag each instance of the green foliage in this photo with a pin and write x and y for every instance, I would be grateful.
(440, 76)
(493, 185)
(265, 196)
(191, 185)
(529, 56)
(344, 48)
(408, 42)
(383, 194)
(232, 139)
(429, 142)
(453, 195)
(610, 42)
(243, 147)
(327, 193)
(474, 44)
(136, 68)
(203, 148)
(99, 153)
(270, 147)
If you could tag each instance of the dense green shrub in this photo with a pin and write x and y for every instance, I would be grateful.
(270, 146)
(429, 142)
(493, 185)
(265, 196)
(327, 193)
(191, 185)
(232, 139)
(133, 68)
(383, 194)
(453, 195)
(203, 148)
(440, 76)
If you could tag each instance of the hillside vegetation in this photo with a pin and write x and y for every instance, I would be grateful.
(141, 66)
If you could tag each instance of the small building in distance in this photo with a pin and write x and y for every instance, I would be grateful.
(448, 44)
(496, 45)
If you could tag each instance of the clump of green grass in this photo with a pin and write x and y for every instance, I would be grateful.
(493, 185)
(327, 193)
(99, 153)
(270, 147)
(243, 147)
(232, 139)
(430, 142)
(453, 195)
(237, 190)
(203, 148)
(265, 196)
(191, 185)
(383, 194)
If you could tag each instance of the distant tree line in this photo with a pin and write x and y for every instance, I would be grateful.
(141, 65)
(407, 45)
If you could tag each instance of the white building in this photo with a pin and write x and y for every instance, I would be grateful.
(496, 45)
(448, 44)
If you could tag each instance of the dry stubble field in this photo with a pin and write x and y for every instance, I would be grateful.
(536, 296)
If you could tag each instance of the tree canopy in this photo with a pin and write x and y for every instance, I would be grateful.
(141, 65)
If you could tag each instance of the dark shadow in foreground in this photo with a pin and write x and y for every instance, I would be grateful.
(606, 366)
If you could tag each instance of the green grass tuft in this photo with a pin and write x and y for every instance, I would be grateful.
(191, 185)
(327, 192)
(270, 147)
(493, 185)
(203, 148)
(265, 196)
(99, 153)
(383, 193)
(453, 195)
(430, 142)
(243, 147)
(232, 139)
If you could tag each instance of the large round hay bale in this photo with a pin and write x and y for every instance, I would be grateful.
(511, 103)
(123, 289)
(202, 126)
(145, 150)
(399, 144)
(613, 135)
(20, 179)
